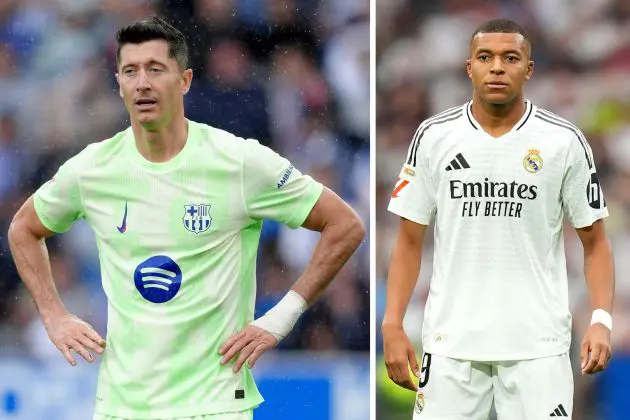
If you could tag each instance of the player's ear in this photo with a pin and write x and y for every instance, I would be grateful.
(469, 68)
(186, 81)
(120, 91)
(530, 70)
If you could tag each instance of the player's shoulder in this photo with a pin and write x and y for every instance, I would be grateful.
(435, 129)
(444, 120)
(225, 141)
(548, 122)
(100, 152)
(562, 132)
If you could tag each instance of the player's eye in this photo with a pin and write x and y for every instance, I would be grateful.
(129, 72)
(484, 57)
(155, 70)
(511, 59)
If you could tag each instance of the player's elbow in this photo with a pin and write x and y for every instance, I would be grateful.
(353, 230)
(17, 227)
(18, 224)
(26, 225)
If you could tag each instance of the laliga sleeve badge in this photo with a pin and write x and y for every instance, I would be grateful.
(409, 170)
(419, 402)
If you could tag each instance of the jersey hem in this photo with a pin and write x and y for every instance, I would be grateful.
(414, 218)
(316, 190)
(181, 413)
(48, 224)
(497, 357)
(584, 224)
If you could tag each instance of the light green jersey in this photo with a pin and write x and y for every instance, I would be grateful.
(237, 415)
(177, 244)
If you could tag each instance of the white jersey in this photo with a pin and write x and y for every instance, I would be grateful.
(499, 285)
(177, 244)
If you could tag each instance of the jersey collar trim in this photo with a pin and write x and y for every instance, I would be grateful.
(529, 111)
(169, 165)
(471, 119)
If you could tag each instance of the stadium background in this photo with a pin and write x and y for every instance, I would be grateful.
(293, 74)
(582, 53)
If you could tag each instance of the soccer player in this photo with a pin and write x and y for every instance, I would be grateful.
(497, 175)
(177, 209)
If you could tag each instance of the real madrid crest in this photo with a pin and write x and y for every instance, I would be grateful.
(419, 402)
(532, 162)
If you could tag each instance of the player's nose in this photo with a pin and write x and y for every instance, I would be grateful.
(143, 81)
(497, 66)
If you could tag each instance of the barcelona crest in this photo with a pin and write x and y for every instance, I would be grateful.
(197, 217)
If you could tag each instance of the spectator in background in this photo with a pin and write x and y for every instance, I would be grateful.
(295, 86)
(346, 65)
(282, 25)
(227, 95)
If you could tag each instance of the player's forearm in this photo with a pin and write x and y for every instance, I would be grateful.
(599, 273)
(336, 245)
(403, 274)
(31, 259)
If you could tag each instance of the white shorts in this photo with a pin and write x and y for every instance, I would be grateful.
(239, 415)
(452, 389)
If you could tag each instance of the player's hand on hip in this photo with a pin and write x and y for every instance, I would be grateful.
(596, 351)
(70, 333)
(399, 357)
(249, 344)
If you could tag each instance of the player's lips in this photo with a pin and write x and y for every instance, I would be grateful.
(145, 103)
(496, 85)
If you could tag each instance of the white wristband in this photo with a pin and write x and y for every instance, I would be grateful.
(603, 317)
(280, 319)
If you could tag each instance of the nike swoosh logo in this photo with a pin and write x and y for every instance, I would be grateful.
(122, 228)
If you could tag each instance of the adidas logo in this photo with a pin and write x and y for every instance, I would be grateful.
(559, 412)
(458, 163)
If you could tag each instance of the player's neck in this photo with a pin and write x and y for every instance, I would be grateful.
(163, 144)
(497, 120)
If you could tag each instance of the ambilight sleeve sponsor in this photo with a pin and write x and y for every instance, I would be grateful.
(274, 189)
(285, 177)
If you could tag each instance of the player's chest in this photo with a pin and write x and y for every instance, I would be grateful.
(502, 167)
(158, 211)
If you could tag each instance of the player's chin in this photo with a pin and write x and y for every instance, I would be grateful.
(498, 98)
(147, 118)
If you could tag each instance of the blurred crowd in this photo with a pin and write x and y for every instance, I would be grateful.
(581, 50)
(293, 74)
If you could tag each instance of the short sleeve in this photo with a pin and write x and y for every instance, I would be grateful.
(274, 189)
(414, 195)
(58, 201)
(582, 195)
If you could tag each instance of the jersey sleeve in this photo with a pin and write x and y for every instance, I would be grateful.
(414, 195)
(58, 202)
(582, 195)
(274, 189)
